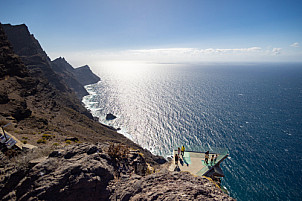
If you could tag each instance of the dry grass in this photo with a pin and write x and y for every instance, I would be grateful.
(118, 150)
(3, 122)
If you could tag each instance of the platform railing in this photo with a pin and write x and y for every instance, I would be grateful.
(200, 149)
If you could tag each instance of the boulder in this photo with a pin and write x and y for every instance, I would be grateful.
(74, 176)
(74, 139)
(166, 185)
(27, 147)
(110, 116)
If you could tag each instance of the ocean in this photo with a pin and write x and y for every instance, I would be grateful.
(253, 109)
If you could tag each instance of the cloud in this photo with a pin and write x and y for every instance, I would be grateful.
(181, 54)
(296, 44)
(195, 51)
(276, 51)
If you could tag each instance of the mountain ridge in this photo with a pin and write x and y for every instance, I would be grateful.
(39, 64)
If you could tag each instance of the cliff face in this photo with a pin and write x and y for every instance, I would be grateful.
(10, 64)
(40, 67)
(59, 72)
(13, 74)
(31, 53)
(85, 76)
(76, 78)
(66, 71)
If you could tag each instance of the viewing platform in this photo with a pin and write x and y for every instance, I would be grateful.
(193, 161)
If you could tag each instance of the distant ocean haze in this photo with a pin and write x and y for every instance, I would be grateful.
(254, 110)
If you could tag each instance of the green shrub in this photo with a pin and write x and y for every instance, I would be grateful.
(24, 141)
(46, 136)
(68, 141)
(55, 144)
(40, 141)
(25, 138)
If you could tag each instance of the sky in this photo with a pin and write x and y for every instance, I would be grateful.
(85, 32)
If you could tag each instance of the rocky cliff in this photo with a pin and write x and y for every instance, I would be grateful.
(76, 78)
(59, 72)
(15, 83)
(66, 71)
(85, 76)
(29, 80)
(33, 56)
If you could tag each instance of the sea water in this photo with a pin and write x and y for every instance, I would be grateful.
(253, 110)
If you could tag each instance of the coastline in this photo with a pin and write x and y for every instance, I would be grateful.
(102, 121)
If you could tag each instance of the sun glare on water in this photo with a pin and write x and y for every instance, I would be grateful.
(125, 69)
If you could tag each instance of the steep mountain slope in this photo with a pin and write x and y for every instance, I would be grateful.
(31, 53)
(59, 72)
(13, 75)
(66, 71)
(76, 78)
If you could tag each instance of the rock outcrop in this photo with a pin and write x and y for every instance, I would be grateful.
(166, 185)
(110, 116)
(85, 76)
(80, 172)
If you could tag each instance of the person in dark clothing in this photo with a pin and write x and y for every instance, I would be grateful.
(176, 159)
(212, 159)
(206, 157)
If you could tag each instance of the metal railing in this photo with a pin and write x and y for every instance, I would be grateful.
(200, 149)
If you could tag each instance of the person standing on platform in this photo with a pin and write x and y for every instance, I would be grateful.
(176, 159)
(178, 151)
(206, 157)
(215, 158)
(212, 159)
(182, 150)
